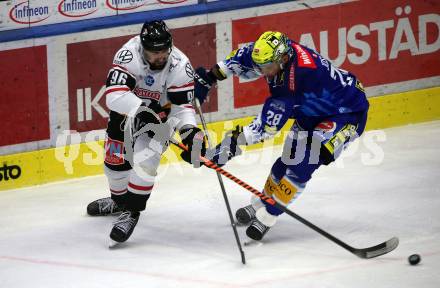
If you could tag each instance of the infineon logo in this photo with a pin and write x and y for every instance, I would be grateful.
(23, 14)
(171, 1)
(77, 8)
(125, 4)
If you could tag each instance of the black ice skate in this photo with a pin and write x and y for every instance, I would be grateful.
(103, 207)
(245, 215)
(256, 230)
(124, 226)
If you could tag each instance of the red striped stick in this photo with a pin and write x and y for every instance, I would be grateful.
(208, 163)
(365, 253)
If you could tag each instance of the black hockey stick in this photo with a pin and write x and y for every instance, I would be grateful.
(365, 253)
(222, 186)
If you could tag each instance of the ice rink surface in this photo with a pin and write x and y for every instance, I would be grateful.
(184, 238)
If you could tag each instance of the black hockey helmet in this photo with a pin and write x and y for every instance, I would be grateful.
(156, 36)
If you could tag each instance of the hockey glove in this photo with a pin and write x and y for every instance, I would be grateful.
(228, 148)
(148, 114)
(203, 82)
(194, 139)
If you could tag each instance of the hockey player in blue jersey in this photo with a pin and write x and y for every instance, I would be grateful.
(328, 104)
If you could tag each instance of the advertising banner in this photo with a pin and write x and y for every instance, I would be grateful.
(396, 42)
(123, 7)
(17, 14)
(24, 97)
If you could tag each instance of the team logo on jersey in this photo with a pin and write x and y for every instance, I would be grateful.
(123, 57)
(149, 80)
(189, 70)
(172, 66)
(146, 94)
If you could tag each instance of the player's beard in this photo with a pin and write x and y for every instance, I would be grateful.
(158, 64)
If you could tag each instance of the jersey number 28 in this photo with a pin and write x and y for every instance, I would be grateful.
(273, 119)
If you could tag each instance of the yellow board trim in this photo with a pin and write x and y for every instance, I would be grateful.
(44, 166)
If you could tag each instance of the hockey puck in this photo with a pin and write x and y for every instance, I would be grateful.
(414, 259)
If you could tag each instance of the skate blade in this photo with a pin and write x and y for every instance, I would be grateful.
(252, 243)
(114, 245)
(238, 224)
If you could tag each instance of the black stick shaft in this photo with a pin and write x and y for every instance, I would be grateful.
(222, 186)
(370, 252)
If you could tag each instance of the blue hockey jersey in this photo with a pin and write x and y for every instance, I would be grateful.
(308, 86)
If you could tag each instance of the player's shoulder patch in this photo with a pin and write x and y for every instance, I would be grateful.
(128, 53)
(123, 56)
(304, 57)
(189, 70)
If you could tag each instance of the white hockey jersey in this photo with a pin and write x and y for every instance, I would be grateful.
(131, 81)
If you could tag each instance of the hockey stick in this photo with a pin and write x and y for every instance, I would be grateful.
(364, 253)
(220, 181)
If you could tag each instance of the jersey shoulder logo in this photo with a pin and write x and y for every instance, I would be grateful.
(304, 57)
(189, 70)
(123, 57)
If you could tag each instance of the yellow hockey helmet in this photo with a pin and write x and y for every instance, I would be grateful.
(269, 48)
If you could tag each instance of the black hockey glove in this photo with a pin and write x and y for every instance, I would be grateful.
(203, 82)
(194, 139)
(228, 148)
(148, 114)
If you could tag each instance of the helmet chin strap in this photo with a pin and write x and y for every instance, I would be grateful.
(282, 64)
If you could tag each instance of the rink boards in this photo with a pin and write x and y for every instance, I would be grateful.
(55, 96)
(79, 160)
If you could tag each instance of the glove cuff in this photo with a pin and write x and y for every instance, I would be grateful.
(211, 77)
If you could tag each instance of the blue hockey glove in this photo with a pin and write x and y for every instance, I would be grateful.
(203, 83)
(228, 148)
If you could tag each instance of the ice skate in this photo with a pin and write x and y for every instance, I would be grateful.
(245, 215)
(103, 207)
(124, 226)
(257, 230)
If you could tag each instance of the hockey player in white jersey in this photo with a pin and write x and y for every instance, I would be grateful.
(150, 85)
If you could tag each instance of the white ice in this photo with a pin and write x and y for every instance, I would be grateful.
(184, 238)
